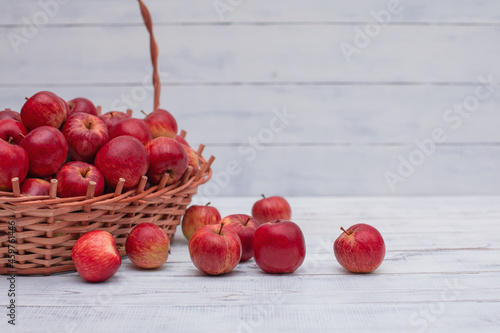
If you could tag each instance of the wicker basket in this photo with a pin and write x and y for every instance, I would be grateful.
(37, 233)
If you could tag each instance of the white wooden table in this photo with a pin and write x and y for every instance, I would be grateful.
(441, 274)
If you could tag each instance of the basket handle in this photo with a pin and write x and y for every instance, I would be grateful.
(146, 16)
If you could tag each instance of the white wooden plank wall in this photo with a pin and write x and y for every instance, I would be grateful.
(225, 77)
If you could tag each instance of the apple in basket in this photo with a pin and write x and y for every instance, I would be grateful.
(122, 157)
(360, 249)
(112, 118)
(215, 249)
(14, 162)
(133, 127)
(245, 226)
(166, 156)
(35, 186)
(47, 150)
(86, 134)
(271, 208)
(9, 114)
(95, 256)
(161, 123)
(198, 216)
(44, 109)
(74, 177)
(10, 128)
(147, 245)
(81, 104)
(279, 247)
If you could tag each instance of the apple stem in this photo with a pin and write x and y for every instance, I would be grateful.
(347, 233)
(86, 172)
(208, 203)
(10, 139)
(278, 220)
(263, 196)
(90, 124)
(249, 217)
(221, 226)
(22, 135)
(26, 98)
(144, 113)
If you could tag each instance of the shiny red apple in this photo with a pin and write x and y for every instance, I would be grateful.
(133, 127)
(112, 118)
(166, 156)
(10, 128)
(14, 162)
(279, 247)
(44, 109)
(35, 186)
(47, 150)
(360, 249)
(95, 256)
(198, 216)
(270, 209)
(74, 177)
(122, 157)
(161, 123)
(9, 114)
(86, 134)
(147, 245)
(214, 249)
(245, 226)
(81, 104)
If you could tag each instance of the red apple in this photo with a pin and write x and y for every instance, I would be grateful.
(47, 150)
(10, 128)
(198, 216)
(95, 256)
(81, 104)
(161, 123)
(86, 134)
(74, 177)
(9, 114)
(270, 209)
(279, 247)
(133, 127)
(181, 140)
(244, 226)
(122, 157)
(215, 250)
(44, 109)
(360, 249)
(193, 160)
(112, 118)
(14, 162)
(147, 245)
(166, 156)
(35, 186)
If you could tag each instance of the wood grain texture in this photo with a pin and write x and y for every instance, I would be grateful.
(440, 274)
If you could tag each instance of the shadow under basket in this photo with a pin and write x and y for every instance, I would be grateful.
(37, 234)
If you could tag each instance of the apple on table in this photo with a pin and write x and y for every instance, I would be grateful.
(147, 245)
(271, 208)
(244, 226)
(197, 216)
(279, 246)
(215, 249)
(360, 248)
(95, 256)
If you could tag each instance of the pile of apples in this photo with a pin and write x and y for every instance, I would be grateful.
(70, 142)
(217, 246)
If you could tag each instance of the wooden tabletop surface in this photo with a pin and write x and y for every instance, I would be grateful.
(441, 273)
